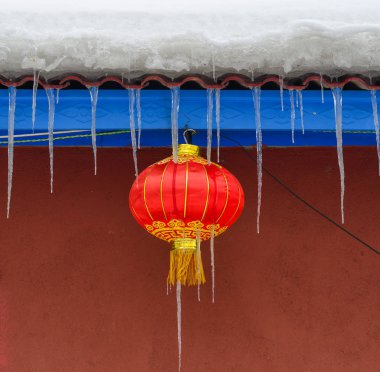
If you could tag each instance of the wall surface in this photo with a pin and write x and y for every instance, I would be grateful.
(82, 286)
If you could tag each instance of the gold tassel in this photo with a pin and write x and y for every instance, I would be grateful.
(184, 264)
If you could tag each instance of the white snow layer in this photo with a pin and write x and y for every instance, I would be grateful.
(251, 37)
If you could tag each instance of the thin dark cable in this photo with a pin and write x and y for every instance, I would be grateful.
(312, 207)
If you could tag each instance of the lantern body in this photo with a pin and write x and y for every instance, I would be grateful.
(184, 203)
(173, 201)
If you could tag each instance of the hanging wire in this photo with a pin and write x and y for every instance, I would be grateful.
(302, 200)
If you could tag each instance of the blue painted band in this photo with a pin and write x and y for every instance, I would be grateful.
(237, 117)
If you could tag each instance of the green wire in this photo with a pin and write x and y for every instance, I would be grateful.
(67, 137)
(350, 131)
(128, 131)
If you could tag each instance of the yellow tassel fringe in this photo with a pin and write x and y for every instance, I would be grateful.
(184, 268)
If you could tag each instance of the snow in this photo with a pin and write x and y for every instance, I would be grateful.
(212, 257)
(376, 123)
(210, 93)
(217, 122)
(174, 121)
(138, 109)
(198, 256)
(300, 99)
(322, 90)
(337, 95)
(179, 325)
(51, 99)
(292, 112)
(36, 76)
(173, 37)
(132, 127)
(94, 101)
(282, 92)
(11, 128)
(259, 148)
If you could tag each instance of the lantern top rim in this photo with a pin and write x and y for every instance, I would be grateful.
(187, 149)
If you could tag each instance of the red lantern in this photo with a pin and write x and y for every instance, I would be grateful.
(184, 203)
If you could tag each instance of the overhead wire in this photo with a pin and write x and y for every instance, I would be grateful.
(302, 200)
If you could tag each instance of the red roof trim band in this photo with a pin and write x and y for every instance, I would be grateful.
(202, 81)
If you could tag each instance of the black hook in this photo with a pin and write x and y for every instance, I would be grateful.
(188, 135)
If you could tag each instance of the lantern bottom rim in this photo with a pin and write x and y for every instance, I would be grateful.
(187, 244)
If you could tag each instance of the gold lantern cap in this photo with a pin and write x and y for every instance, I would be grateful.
(187, 149)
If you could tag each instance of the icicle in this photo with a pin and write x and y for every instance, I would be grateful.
(94, 100)
(337, 95)
(217, 121)
(179, 333)
(199, 262)
(11, 127)
(138, 109)
(301, 110)
(50, 95)
(36, 77)
(212, 255)
(376, 122)
(322, 91)
(174, 121)
(297, 99)
(209, 123)
(282, 93)
(252, 74)
(131, 94)
(213, 65)
(168, 288)
(129, 66)
(57, 100)
(256, 101)
(292, 112)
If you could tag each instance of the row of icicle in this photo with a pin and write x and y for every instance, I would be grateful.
(213, 106)
(212, 94)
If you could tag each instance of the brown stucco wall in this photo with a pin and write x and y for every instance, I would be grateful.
(83, 286)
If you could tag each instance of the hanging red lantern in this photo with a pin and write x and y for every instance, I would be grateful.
(184, 203)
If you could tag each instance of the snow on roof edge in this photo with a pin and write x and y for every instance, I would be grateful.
(267, 40)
